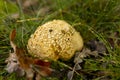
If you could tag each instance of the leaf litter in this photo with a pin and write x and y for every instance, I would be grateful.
(16, 62)
(96, 48)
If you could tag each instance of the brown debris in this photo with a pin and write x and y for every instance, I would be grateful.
(19, 62)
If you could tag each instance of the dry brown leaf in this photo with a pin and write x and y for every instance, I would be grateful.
(21, 64)
(13, 65)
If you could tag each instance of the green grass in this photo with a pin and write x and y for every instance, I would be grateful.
(92, 18)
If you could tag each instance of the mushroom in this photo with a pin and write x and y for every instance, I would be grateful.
(55, 40)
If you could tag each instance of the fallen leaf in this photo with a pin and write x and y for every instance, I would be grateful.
(70, 75)
(79, 57)
(78, 67)
(13, 65)
(98, 46)
(41, 63)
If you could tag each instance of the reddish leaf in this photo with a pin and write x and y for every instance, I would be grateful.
(42, 63)
(12, 35)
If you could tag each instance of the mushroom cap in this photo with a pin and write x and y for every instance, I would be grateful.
(53, 40)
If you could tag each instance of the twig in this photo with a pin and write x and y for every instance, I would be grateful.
(31, 19)
(68, 67)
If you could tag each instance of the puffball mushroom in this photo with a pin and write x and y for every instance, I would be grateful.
(55, 40)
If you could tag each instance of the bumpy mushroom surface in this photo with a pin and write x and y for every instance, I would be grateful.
(53, 40)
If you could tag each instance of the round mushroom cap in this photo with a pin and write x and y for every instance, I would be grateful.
(53, 40)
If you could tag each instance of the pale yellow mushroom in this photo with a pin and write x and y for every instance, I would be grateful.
(53, 40)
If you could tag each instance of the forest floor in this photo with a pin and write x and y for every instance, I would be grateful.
(98, 22)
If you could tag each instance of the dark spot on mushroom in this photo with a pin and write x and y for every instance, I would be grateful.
(50, 30)
(63, 31)
(68, 39)
(56, 52)
(59, 48)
